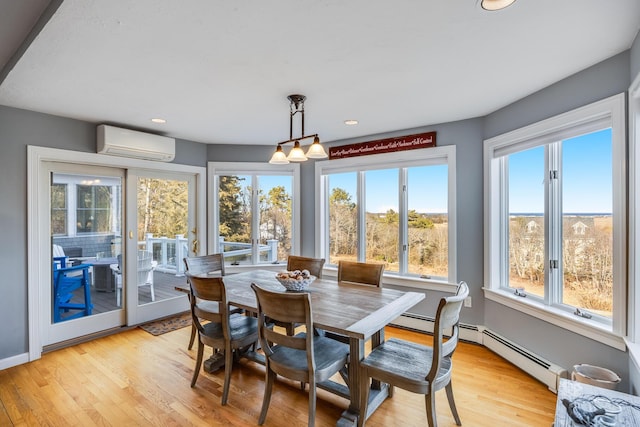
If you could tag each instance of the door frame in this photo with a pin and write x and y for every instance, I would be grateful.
(38, 226)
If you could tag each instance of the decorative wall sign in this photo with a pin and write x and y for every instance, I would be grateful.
(400, 143)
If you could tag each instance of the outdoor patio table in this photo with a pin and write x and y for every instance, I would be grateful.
(102, 277)
(358, 312)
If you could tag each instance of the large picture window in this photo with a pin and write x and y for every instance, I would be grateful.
(255, 212)
(397, 209)
(556, 215)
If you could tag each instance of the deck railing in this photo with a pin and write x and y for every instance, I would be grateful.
(169, 252)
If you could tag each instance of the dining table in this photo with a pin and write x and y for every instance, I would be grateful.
(357, 312)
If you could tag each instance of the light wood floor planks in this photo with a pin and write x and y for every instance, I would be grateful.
(135, 379)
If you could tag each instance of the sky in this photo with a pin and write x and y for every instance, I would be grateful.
(586, 176)
(427, 188)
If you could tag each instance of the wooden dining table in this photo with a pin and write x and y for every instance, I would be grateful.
(358, 312)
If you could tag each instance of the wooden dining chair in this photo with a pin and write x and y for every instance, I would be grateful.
(206, 264)
(224, 331)
(361, 273)
(418, 368)
(313, 265)
(307, 358)
(358, 273)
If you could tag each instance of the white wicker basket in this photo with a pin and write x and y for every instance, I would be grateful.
(292, 284)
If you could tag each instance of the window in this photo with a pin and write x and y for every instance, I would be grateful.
(59, 209)
(398, 209)
(93, 211)
(556, 215)
(255, 212)
(82, 205)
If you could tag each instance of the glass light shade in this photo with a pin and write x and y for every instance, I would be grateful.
(495, 4)
(296, 154)
(279, 158)
(316, 151)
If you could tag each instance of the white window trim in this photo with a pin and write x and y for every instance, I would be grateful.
(250, 168)
(613, 109)
(633, 332)
(419, 157)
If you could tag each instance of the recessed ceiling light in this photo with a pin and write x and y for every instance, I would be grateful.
(350, 122)
(158, 120)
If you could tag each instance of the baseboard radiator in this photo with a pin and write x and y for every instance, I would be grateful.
(534, 365)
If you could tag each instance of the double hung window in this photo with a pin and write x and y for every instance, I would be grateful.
(80, 206)
(397, 209)
(255, 212)
(555, 216)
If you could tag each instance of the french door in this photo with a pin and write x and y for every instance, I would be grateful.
(161, 231)
(127, 223)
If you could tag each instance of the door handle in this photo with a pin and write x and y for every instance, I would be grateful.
(194, 247)
(130, 234)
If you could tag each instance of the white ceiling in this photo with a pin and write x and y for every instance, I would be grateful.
(220, 71)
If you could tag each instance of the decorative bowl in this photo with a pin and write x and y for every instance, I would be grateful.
(298, 284)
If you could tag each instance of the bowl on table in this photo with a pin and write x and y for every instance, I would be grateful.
(296, 281)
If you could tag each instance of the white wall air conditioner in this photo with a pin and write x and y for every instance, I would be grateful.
(139, 145)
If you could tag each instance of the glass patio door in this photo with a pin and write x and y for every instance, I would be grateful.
(85, 223)
(160, 232)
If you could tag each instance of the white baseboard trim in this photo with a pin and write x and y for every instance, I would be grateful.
(12, 361)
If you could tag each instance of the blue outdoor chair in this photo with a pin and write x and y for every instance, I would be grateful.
(66, 282)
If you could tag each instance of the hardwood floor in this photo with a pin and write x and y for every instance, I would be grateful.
(134, 378)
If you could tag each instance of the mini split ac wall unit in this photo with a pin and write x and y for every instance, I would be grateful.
(139, 145)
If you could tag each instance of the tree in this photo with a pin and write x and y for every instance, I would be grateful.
(162, 207)
(342, 223)
(275, 215)
(233, 210)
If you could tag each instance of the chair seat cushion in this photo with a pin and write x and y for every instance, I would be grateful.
(404, 364)
(240, 326)
(330, 356)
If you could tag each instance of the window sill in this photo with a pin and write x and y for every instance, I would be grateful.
(584, 327)
(407, 282)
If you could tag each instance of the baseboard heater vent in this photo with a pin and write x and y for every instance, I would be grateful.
(539, 368)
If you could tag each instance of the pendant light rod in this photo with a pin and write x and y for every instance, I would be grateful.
(296, 105)
(300, 138)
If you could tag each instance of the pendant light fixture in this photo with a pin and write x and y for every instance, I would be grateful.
(495, 4)
(296, 154)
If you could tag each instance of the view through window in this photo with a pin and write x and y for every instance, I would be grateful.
(396, 215)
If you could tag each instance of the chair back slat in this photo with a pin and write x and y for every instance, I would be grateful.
(283, 307)
(205, 264)
(362, 273)
(279, 338)
(313, 265)
(207, 288)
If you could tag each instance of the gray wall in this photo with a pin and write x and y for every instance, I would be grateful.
(557, 344)
(19, 128)
(635, 57)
